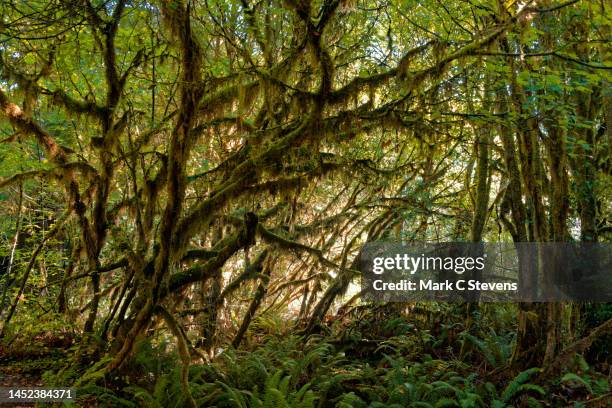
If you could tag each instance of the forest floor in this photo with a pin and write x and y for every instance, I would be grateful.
(14, 376)
(25, 369)
(374, 357)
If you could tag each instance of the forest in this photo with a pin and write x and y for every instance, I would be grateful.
(186, 187)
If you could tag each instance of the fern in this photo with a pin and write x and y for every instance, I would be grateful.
(314, 359)
(111, 400)
(350, 400)
(160, 390)
(420, 404)
(105, 397)
(274, 399)
(494, 350)
(442, 388)
(304, 398)
(533, 403)
(578, 379)
(96, 372)
(446, 403)
(232, 396)
(517, 385)
(144, 396)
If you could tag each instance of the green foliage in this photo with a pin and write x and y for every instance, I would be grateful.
(519, 386)
(496, 349)
(158, 126)
(317, 372)
(575, 378)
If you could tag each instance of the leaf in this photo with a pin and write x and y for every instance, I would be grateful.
(514, 387)
(572, 377)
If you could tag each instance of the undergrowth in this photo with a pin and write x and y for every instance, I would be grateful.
(374, 358)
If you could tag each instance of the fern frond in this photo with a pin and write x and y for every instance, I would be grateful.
(446, 402)
(576, 378)
(512, 388)
(143, 395)
(533, 403)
